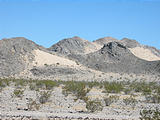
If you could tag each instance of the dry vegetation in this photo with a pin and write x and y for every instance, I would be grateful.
(151, 92)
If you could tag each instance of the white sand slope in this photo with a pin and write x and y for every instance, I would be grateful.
(42, 58)
(143, 53)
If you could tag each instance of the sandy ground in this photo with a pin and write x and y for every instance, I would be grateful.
(145, 54)
(71, 116)
(42, 58)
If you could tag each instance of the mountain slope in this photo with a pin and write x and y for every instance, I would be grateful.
(15, 54)
(115, 57)
(75, 45)
(142, 51)
(19, 56)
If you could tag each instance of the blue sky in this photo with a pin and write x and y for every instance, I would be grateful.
(48, 21)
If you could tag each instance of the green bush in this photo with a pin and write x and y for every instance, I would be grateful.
(4, 83)
(44, 97)
(47, 84)
(154, 98)
(18, 92)
(111, 99)
(113, 87)
(151, 114)
(145, 88)
(77, 88)
(94, 84)
(93, 106)
(130, 101)
(33, 105)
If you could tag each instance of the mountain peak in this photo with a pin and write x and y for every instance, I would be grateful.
(105, 40)
(130, 43)
(77, 38)
(70, 45)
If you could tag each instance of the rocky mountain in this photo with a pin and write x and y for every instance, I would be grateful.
(105, 40)
(75, 45)
(117, 58)
(15, 54)
(75, 57)
(142, 51)
(78, 79)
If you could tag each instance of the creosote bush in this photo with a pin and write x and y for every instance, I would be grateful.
(130, 101)
(47, 84)
(111, 99)
(150, 114)
(93, 106)
(18, 92)
(33, 105)
(44, 97)
(4, 83)
(76, 88)
(113, 87)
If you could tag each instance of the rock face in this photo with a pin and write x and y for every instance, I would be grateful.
(15, 53)
(75, 45)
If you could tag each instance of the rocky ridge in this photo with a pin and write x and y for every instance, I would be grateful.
(19, 54)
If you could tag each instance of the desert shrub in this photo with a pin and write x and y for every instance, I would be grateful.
(18, 92)
(93, 106)
(145, 88)
(4, 83)
(20, 82)
(33, 105)
(150, 114)
(32, 86)
(111, 99)
(154, 98)
(127, 90)
(130, 101)
(44, 97)
(47, 84)
(77, 88)
(94, 84)
(113, 87)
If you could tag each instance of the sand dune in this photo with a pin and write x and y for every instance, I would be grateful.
(143, 53)
(42, 58)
